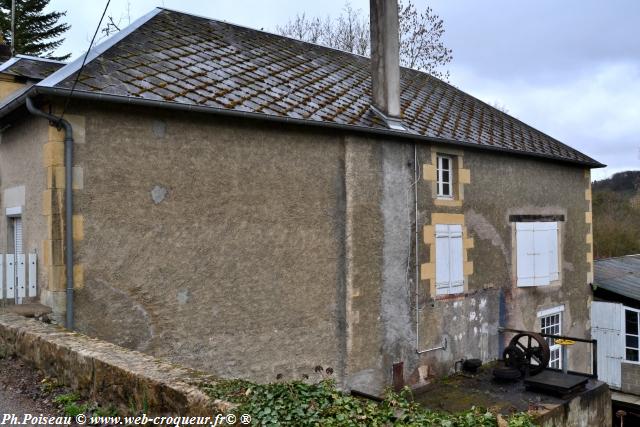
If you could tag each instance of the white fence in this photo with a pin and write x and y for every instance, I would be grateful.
(17, 280)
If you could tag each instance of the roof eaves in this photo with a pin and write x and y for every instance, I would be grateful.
(15, 100)
(98, 50)
(37, 58)
(8, 63)
(56, 91)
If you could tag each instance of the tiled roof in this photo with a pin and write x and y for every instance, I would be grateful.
(30, 67)
(180, 58)
(619, 275)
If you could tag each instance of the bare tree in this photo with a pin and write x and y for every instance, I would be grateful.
(421, 45)
(349, 32)
(113, 26)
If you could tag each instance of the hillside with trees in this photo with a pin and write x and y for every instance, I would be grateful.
(616, 215)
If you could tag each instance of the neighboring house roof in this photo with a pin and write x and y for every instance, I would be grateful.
(619, 275)
(31, 67)
(171, 58)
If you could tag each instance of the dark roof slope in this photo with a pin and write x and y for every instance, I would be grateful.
(180, 58)
(30, 67)
(619, 275)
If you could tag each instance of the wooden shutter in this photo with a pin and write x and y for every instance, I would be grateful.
(537, 253)
(456, 259)
(525, 266)
(554, 260)
(541, 254)
(449, 259)
(607, 326)
(443, 277)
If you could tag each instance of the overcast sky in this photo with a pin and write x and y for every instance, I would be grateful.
(569, 68)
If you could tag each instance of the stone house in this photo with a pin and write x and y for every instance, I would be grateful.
(615, 316)
(252, 205)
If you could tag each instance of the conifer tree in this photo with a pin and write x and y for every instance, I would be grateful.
(37, 33)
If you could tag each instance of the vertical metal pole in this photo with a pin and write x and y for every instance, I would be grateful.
(565, 363)
(13, 28)
(594, 356)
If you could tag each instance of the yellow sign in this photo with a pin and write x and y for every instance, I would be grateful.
(560, 341)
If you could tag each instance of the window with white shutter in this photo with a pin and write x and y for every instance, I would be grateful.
(449, 259)
(537, 261)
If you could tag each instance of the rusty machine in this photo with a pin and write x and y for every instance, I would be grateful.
(527, 356)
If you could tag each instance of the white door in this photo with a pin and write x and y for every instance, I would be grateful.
(606, 327)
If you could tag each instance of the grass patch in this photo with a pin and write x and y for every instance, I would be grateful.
(72, 405)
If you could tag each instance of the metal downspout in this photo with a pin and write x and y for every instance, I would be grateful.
(59, 122)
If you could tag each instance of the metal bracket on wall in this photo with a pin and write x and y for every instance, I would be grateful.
(442, 347)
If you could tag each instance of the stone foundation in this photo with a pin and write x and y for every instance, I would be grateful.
(106, 372)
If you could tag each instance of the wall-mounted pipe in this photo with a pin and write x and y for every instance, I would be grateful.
(416, 179)
(58, 123)
(442, 347)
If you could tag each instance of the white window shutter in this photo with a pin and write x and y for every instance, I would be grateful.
(541, 253)
(554, 259)
(443, 277)
(456, 259)
(525, 266)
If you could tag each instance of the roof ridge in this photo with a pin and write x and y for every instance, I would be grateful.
(208, 18)
(97, 50)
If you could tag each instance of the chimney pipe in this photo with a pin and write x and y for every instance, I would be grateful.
(385, 57)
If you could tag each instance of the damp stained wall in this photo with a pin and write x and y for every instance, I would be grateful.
(212, 242)
(22, 180)
(252, 249)
(500, 186)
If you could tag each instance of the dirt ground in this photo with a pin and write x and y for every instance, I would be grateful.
(23, 391)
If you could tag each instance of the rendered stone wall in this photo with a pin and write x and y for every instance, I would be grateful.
(216, 243)
(630, 376)
(490, 188)
(591, 408)
(252, 249)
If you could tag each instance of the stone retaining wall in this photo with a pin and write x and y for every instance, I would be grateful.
(106, 372)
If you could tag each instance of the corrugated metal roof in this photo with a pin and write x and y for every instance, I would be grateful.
(619, 275)
(173, 57)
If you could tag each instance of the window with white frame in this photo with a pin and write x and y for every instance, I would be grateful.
(551, 323)
(449, 259)
(445, 177)
(537, 261)
(632, 350)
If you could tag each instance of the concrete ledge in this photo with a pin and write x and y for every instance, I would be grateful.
(106, 372)
(588, 408)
